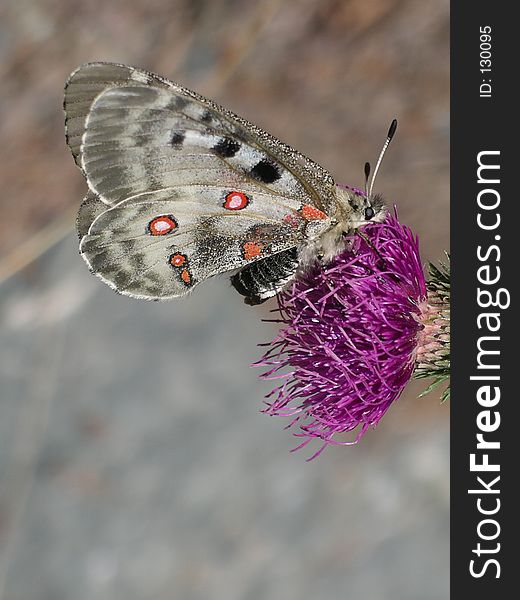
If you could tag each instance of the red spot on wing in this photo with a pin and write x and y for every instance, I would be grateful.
(177, 260)
(311, 213)
(252, 249)
(236, 201)
(162, 225)
(185, 276)
(180, 262)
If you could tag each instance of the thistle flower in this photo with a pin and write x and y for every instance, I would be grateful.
(352, 334)
(433, 346)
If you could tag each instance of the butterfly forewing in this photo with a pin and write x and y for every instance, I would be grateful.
(139, 139)
(90, 80)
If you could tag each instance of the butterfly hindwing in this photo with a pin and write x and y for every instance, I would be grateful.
(157, 247)
(91, 207)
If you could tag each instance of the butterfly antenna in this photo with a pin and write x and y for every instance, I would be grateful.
(367, 175)
(391, 133)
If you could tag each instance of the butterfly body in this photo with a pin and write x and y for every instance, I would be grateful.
(181, 189)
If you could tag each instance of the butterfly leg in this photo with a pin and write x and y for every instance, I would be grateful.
(265, 278)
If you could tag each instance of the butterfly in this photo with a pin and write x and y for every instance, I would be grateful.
(181, 189)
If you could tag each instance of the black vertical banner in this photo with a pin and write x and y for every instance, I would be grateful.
(485, 246)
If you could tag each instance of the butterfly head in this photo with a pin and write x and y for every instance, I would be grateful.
(359, 208)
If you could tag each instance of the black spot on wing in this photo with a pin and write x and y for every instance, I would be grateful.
(178, 136)
(265, 171)
(206, 116)
(180, 103)
(226, 147)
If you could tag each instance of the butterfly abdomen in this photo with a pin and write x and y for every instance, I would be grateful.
(265, 278)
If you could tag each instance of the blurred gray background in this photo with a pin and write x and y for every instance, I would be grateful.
(134, 462)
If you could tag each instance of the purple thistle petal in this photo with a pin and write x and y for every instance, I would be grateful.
(348, 341)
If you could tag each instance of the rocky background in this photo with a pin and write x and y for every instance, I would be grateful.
(134, 462)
